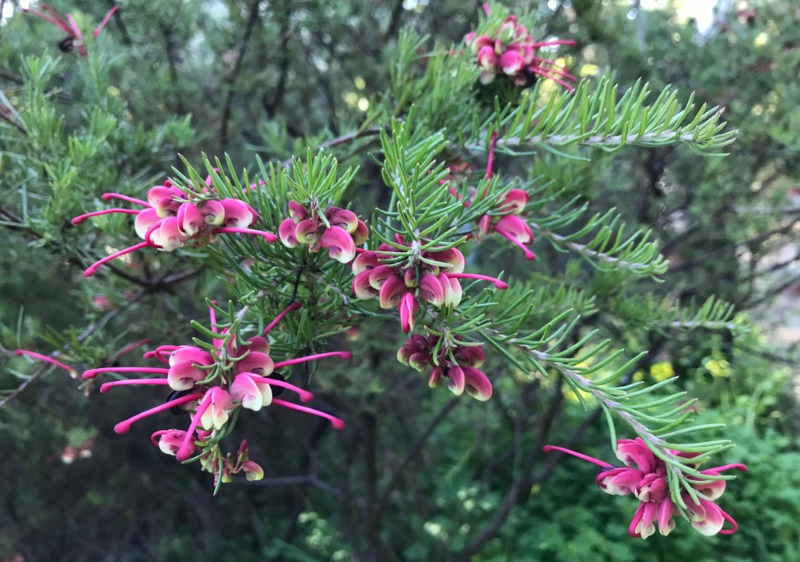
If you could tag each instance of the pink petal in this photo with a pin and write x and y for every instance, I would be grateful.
(183, 376)
(666, 509)
(219, 409)
(707, 518)
(511, 62)
(167, 236)
(256, 362)
(361, 233)
(452, 257)
(364, 261)
(286, 233)
(144, 220)
(452, 290)
(213, 213)
(652, 488)
(457, 380)
(251, 395)
(339, 243)
(238, 214)
(619, 481)
(391, 292)
(343, 219)
(436, 377)
(431, 290)
(297, 211)
(362, 287)
(472, 356)
(379, 275)
(516, 227)
(477, 384)
(487, 57)
(307, 232)
(190, 219)
(408, 309)
(191, 354)
(635, 452)
(515, 201)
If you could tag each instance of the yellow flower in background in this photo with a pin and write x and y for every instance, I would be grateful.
(662, 371)
(718, 367)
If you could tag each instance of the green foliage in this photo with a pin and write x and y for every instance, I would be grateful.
(642, 297)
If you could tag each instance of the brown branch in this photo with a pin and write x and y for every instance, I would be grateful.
(172, 64)
(394, 22)
(7, 113)
(11, 77)
(252, 20)
(413, 451)
(785, 229)
(521, 482)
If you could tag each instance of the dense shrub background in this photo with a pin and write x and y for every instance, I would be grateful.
(270, 78)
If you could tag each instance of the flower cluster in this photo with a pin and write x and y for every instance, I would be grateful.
(509, 225)
(429, 276)
(645, 477)
(505, 219)
(450, 359)
(212, 383)
(74, 38)
(512, 52)
(337, 230)
(171, 217)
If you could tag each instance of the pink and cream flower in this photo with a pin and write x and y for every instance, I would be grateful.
(432, 278)
(337, 230)
(457, 363)
(74, 38)
(211, 383)
(172, 218)
(645, 476)
(512, 52)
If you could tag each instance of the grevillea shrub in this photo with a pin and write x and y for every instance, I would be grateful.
(446, 234)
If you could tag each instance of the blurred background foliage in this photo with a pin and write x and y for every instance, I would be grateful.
(419, 476)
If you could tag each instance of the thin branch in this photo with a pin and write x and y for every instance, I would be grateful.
(252, 20)
(349, 137)
(520, 482)
(11, 77)
(785, 229)
(413, 451)
(88, 332)
(394, 22)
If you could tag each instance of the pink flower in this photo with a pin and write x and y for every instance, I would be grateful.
(170, 220)
(511, 52)
(74, 36)
(337, 230)
(218, 409)
(433, 279)
(462, 374)
(212, 387)
(645, 476)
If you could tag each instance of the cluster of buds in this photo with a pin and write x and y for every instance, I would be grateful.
(337, 230)
(512, 52)
(450, 359)
(508, 223)
(645, 477)
(212, 383)
(429, 276)
(505, 219)
(223, 468)
(171, 218)
(74, 38)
